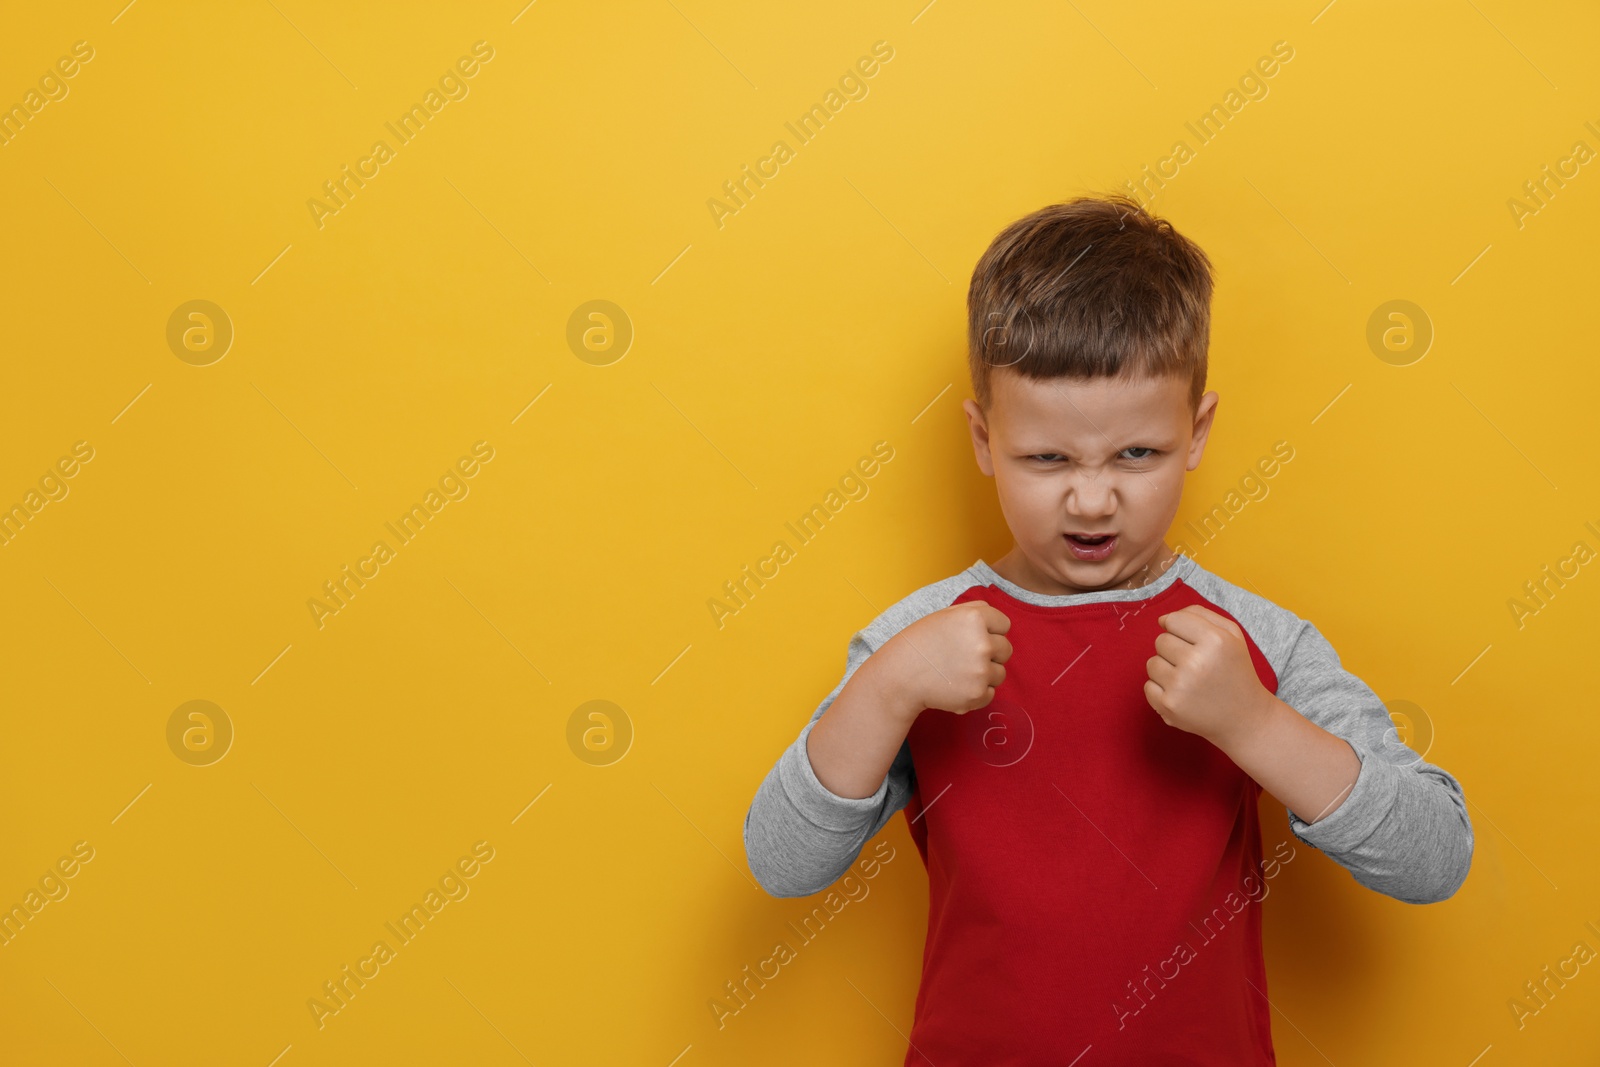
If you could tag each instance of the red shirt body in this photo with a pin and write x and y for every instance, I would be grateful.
(1094, 874)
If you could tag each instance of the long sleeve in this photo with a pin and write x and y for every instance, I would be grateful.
(800, 837)
(1403, 829)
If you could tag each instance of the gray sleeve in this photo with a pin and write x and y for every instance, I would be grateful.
(1403, 829)
(799, 837)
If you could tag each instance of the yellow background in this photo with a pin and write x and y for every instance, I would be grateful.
(769, 354)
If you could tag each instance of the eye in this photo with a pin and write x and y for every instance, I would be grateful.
(1047, 457)
(1148, 452)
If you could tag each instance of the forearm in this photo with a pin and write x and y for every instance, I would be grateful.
(1308, 769)
(1324, 745)
(801, 832)
(854, 743)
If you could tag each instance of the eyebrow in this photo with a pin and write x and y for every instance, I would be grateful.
(1037, 449)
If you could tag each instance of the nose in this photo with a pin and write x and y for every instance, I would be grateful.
(1092, 496)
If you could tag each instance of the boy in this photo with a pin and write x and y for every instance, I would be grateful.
(1079, 733)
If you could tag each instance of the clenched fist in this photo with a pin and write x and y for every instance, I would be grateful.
(1201, 677)
(949, 659)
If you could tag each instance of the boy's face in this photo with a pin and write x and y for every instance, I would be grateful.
(1097, 456)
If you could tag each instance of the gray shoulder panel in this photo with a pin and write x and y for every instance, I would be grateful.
(1403, 829)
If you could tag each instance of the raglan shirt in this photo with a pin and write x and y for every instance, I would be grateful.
(1094, 874)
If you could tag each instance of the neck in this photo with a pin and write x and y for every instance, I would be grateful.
(1015, 567)
(1164, 559)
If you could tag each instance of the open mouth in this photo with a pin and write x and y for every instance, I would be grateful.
(1091, 547)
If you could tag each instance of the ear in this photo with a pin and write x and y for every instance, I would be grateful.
(978, 424)
(1203, 416)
